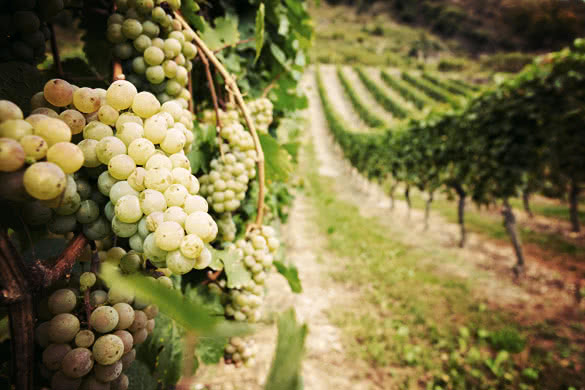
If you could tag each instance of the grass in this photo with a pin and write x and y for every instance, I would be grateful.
(491, 225)
(415, 324)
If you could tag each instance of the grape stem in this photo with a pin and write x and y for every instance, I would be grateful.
(50, 273)
(118, 72)
(232, 86)
(218, 126)
(55, 51)
(212, 277)
(18, 294)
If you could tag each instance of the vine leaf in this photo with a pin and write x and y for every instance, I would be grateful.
(236, 272)
(140, 377)
(211, 349)
(291, 274)
(259, 31)
(278, 161)
(190, 315)
(225, 33)
(286, 365)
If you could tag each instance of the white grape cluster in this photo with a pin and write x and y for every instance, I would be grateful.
(24, 28)
(227, 228)
(257, 253)
(156, 50)
(92, 354)
(241, 352)
(261, 113)
(153, 195)
(226, 184)
(227, 117)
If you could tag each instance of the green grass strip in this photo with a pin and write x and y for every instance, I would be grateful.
(406, 91)
(380, 95)
(445, 85)
(360, 106)
(463, 84)
(429, 89)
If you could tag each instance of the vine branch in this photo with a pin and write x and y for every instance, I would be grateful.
(233, 87)
(212, 90)
(53, 272)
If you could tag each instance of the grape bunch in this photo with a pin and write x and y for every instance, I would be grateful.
(95, 352)
(155, 49)
(241, 352)
(23, 28)
(226, 184)
(257, 253)
(261, 113)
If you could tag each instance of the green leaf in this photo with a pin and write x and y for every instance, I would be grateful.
(285, 372)
(211, 349)
(276, 159)
(162, 352)
(202, 296)
(292, 148)
(140, 377)
(236, 272)
(190, 315)
(291, 274)
(225, 32)
(259, 31)
(216, 263)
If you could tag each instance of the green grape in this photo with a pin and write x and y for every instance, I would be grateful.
(88, 147)
(155, 74)
(12, 155)
(62, 224)
(91, 383)
(53, 130)
(176, 214)
(114, 33)
(143, 230)
(122, 229)
(35, 147)
(139, 65)
(131, 28)
(36, 214)
(58, 92)
(121, 166)
(174, 141)
(105, 183)
(154, 56)
(126, 338)
(175, 195)
(129, 132)
(87, 279)
(142, 43)
(201, 224)
(108, 373)
(173, 88)
(152, 251)
(191, 246)
(62, 301)
(115, 18)
(189, 50)
(97, 130)
(136, 179)
(15, 129)
(136, 243)
(172, 48)
(169, 235)
(170, 68)
(108, 147)
(182, 76)
(151, 29)
(165, 282)
(158, 179)
(120, 95)
(63, 328)
(157, 42)
(74, 119)
(110, 211)
(88, 212)
(173, 108)
(77, 363)
(120, 189)
(9, 110)
(181, 176)
(153, 220)
(159, 161)
(53, 355)
(69, 157)
(98, 297)
(44, 180)
(179, 160)
(128, 359)
(60, 381)
(108, 115)
(140, 150)
(84, 189)
(140, 319)
(108, 349)
(86, 100)
(179, 264)
(104, 319)
(97, 230)
(128, 209)
(145, 104)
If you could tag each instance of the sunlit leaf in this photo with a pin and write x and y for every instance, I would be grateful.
(259, 31)
(276, 159)
(291, 274)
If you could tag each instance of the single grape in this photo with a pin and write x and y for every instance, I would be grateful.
(169, 235)
(128, 209)
(108, 147)
(12, 155)
(44, 180)
(179, 264)
(154, 56)
(58, 92)
(191, 246)
(69, 157)
(60, 381)
(158, 179)
(176, 214)
(108, 115)
(136, 179)
(63, 328)
(108, 373)
(15, 129)
(88, 212)
(84, 338)
(98, 297)
(62, 301)
(108, 349)
(97, 130)
(77, 363)
(126, 338)
(9, 110)
(88, 147)
(120, 95)
(201, 224)
(53, 130)
(91, 383)
(128, 358)
(129, 132)
(97, 230)
(203, 260)
(42, 334)
(104, 319)
(120, 189)
(86, 100)
(53, 355)
(155, 74)
(121, 383)
(152, 251)
(121, 166)
(122, 229)
(142, 43)
(131, 28)
(159, 160)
